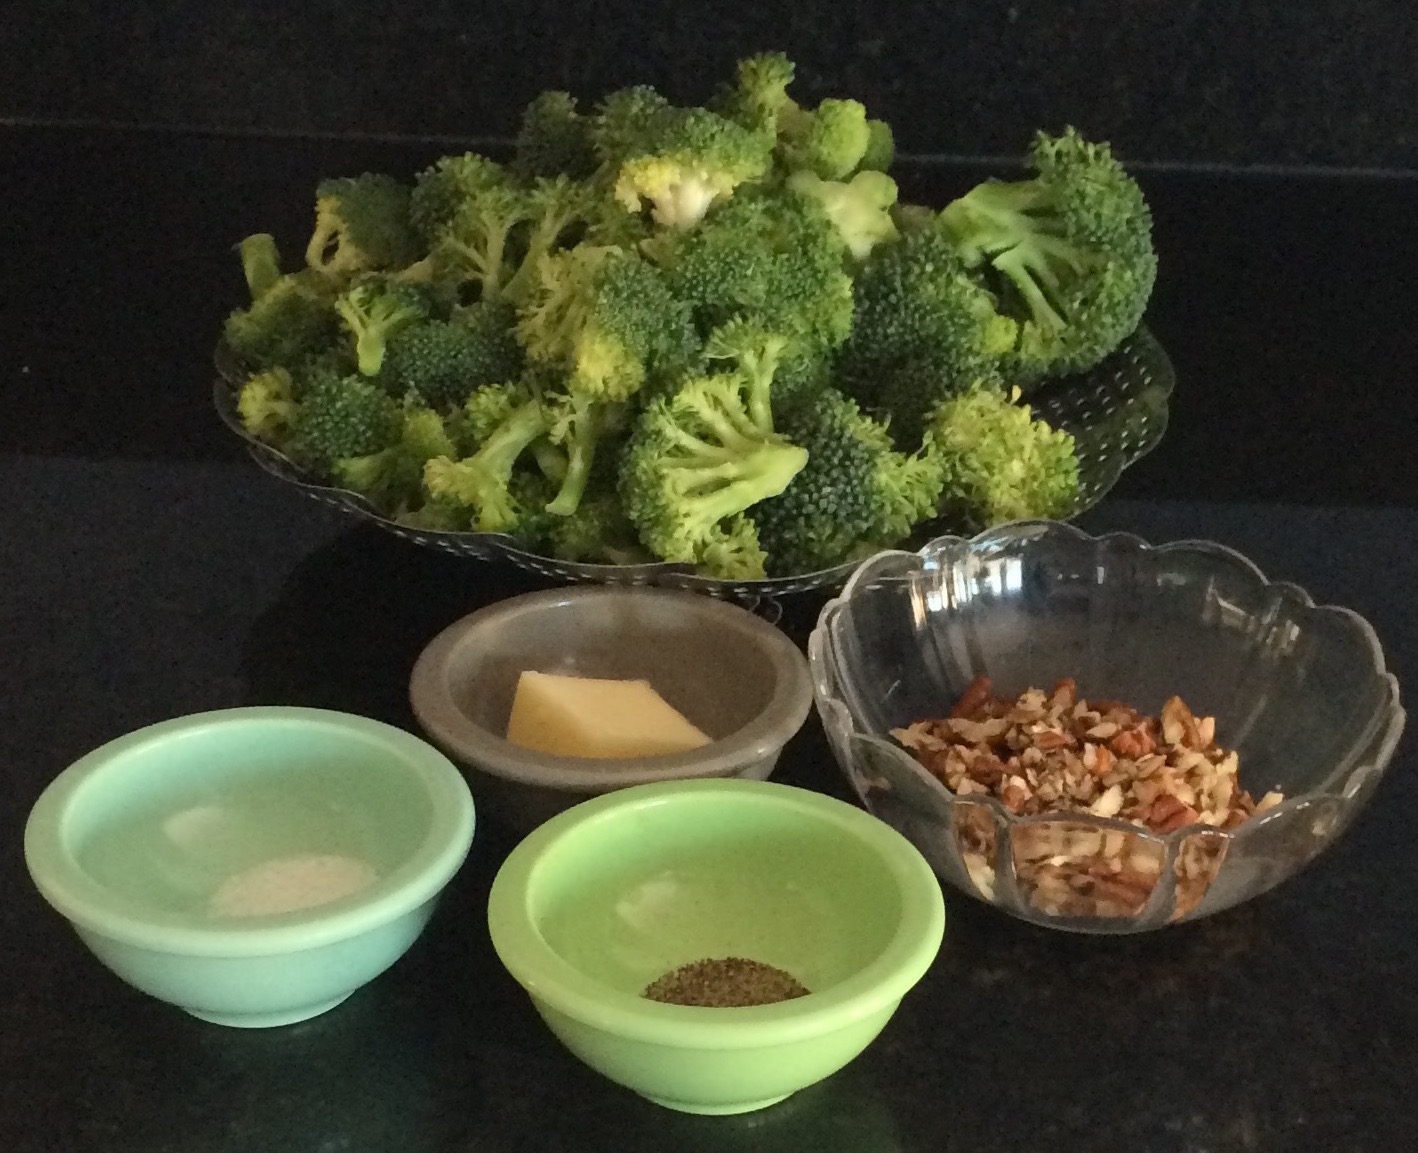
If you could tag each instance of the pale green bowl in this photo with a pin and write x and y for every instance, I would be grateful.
(611, 894)
(139, 842)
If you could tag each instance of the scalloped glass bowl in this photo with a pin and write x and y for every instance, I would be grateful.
(1299, 690)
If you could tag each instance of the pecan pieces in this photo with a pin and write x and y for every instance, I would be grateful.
(1056, 753)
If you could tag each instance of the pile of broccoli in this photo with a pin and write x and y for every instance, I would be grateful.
(704, 335)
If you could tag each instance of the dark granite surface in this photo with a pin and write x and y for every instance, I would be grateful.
(139, 590)
(1278, 297)
(1324, 82)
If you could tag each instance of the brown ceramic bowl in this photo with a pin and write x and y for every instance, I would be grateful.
(733, 675)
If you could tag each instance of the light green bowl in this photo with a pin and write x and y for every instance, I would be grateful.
(178, 853)
(611, 894)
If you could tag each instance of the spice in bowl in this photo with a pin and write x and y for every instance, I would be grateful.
(725, 983)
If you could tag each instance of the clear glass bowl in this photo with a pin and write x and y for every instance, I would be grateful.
(1299, 691)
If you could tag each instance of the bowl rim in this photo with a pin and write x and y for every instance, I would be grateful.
(779, 717)
(93, 907)
(875, 988)
(1369, 755)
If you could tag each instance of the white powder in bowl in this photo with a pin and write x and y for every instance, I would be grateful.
(286, 884)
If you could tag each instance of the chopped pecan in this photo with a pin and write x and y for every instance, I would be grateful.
(1057, 753)
(977, 694)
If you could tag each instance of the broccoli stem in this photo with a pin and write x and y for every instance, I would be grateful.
(723, 489)
(260, 262)
(580, 455)
(996, 216)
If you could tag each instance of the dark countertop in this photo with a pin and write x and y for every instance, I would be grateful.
(151, 571)
(141, 590)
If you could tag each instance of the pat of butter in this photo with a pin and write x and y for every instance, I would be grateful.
(587, 717)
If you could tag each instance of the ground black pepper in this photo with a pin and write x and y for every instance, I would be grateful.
(725, 983)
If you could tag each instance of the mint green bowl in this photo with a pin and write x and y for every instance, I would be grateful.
(253, 866)
(601, 900)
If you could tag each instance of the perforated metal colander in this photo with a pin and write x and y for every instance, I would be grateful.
(1116, 412)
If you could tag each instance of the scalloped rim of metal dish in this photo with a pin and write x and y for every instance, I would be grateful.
(1067, 403)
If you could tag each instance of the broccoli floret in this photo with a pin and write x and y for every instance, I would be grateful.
(487, 230)
(759, 92)
(832, 140)
(675, 161)
(755, 353)
(443, 361)
(293, 318)
(266, 404)
(488, 407)
(924, 328)
(441, 190)
(1068, 253)
(598, 532)
(607, 317)
(829, 141)
(361, 225)
(999, 463)
(373, 309)
(391, 479)
(482, 482)
(860, 208)
(856, 492)
(695, 461)
(578, 425)
(343, 417)
(555, 139)
(774, 259)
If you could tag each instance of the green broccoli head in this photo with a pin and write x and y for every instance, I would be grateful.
(755, 352)
(999, 463)
(607, 317)
(392, 478)
(674, 161)
(859, 208)
(441, 190)
(266, 404)
(759, 92)
(1068, 253)
(489, 232)
(694, 462)
(554, 139)
(597, 532)
(924, 328)
(293, 317)
(856, 493)
(342, 417)
(483, 482)
(774, 259)
(828, 141)
(362, 224)
(443, 361)
(373, 309)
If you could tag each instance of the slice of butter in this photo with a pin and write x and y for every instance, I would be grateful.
(587, 717)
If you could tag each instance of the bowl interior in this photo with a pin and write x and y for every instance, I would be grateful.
(1295, 689)
(700, 657)
(246, 818)
(638, 891)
